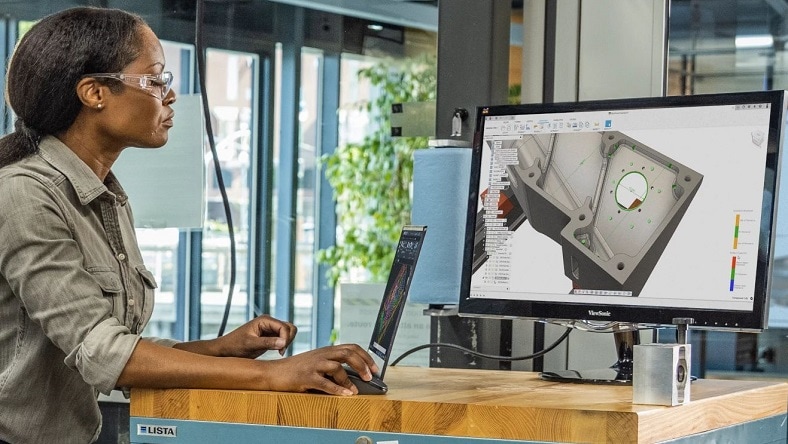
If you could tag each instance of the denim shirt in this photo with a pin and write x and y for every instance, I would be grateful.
(74, 295)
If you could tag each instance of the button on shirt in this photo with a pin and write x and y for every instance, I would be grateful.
(74, 295)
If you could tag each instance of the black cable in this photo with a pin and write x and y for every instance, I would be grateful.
(484, 355)
(217, 167)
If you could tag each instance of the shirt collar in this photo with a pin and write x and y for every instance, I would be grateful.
(85, 182)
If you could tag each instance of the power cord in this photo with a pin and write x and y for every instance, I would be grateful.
(200, 49)
(484, 355)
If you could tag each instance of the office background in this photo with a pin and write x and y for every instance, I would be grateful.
(281, 82)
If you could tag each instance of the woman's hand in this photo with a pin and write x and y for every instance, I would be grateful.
(321, 369)
(250, 340)
(256, 337)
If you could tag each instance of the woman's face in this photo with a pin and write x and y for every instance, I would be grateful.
(135, 116)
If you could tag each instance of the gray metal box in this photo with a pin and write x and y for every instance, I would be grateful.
(661, 374)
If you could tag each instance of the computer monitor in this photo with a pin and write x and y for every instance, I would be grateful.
(634, 211)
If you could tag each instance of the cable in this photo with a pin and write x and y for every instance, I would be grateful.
(217, 167)
(600, 326)
(484, 355)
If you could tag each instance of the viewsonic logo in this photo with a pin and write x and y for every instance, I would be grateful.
(598, 313)
(155, 430)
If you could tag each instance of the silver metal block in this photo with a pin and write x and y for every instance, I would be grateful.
(661, 374)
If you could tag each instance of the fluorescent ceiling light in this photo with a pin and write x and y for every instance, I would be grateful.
(754, 41)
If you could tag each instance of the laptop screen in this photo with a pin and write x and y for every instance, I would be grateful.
(396, 294)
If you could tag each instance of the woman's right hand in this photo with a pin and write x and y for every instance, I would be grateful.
(321, 369)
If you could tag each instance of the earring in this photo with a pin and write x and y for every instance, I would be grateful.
(100, 105)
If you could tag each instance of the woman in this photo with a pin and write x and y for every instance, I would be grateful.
(86, 83)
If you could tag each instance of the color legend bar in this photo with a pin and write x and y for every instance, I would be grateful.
(736, 232)
(733, 267)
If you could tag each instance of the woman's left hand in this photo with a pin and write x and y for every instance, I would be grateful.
(256, 337)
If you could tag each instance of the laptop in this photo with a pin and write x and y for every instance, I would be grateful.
(391, 308)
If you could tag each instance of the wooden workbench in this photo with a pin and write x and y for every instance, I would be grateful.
(484, 404)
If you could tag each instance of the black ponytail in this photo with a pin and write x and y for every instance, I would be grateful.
(21, 143)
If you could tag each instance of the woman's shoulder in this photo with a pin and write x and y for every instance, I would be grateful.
(31, 171)
(31, 180)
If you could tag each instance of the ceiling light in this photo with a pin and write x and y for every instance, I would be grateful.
(754, 41)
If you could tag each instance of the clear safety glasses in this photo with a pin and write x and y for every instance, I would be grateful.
(157, 85)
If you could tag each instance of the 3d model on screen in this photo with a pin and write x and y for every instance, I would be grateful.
(610, 202)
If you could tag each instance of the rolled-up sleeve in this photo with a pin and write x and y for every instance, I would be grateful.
(103, 353)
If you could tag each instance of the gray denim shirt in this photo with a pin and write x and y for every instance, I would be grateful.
(74, 295)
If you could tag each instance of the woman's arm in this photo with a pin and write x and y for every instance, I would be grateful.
(155, 366)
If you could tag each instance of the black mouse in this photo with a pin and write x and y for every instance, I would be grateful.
(374, 386)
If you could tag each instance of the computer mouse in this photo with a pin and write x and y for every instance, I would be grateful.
(374, 386)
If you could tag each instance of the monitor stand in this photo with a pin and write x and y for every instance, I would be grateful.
(619, 373)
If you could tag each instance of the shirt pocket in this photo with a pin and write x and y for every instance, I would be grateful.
(149, 286)
(111, 287)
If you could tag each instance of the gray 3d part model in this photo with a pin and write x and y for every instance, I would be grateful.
(611, 202)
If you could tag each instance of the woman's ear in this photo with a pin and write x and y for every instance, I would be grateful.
(91, 93)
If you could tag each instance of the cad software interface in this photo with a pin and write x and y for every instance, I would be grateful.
(396, 293)
(653, 207)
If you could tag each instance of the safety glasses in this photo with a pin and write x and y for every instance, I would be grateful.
(157, 85)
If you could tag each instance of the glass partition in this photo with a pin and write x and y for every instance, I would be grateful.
(231, 97)
(159, 247)
(731, 46)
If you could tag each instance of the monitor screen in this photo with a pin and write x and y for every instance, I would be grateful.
(636, 210)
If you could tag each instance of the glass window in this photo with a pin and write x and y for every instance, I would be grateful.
(730, 46)
(230, 77)
(354, 121)
(725, 46)
(159, 247)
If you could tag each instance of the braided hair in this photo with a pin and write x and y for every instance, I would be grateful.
(49, 61)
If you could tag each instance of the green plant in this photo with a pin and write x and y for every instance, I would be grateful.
(371, 180)
(514, 94)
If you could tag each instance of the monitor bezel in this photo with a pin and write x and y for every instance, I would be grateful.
(754, 320)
